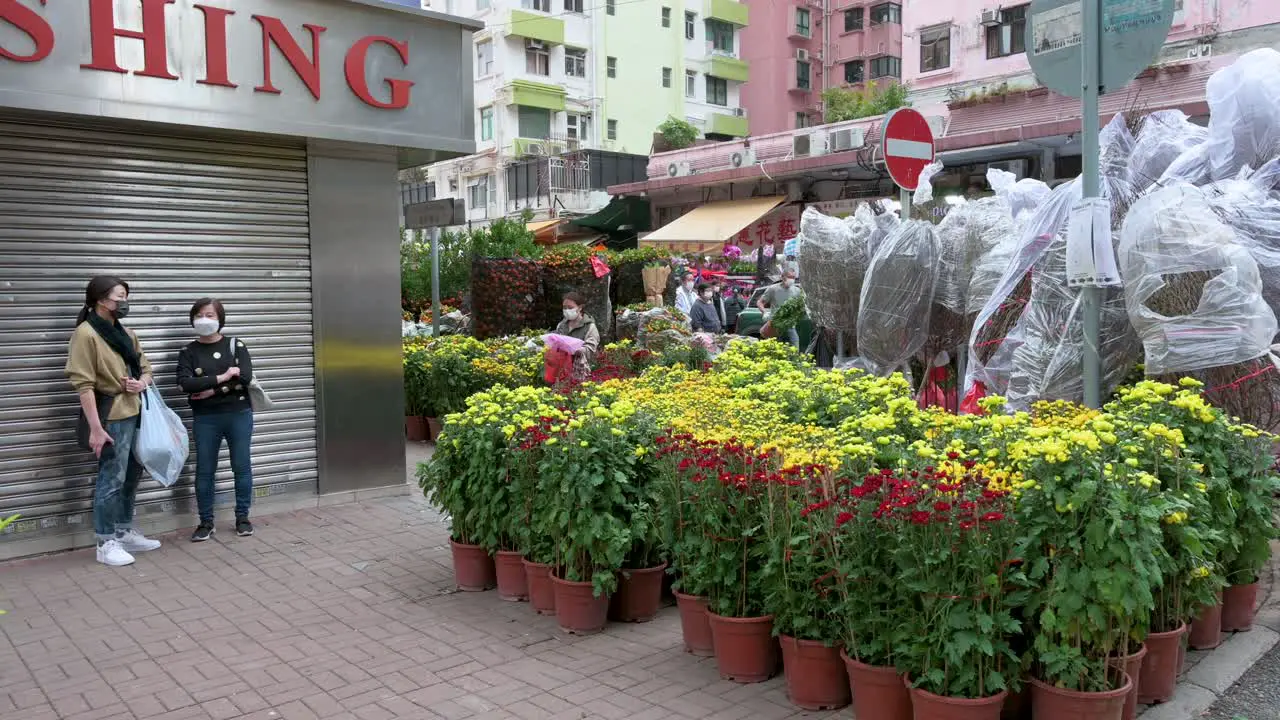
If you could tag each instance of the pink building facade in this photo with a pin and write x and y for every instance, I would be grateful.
(798, 48)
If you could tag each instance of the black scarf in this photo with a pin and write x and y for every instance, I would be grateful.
(117, 339)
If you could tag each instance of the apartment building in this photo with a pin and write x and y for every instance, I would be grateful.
(565, 85)
(799, 49)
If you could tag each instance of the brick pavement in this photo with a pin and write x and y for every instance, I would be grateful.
(335, 613)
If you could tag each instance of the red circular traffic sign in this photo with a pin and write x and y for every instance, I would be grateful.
(907, 146)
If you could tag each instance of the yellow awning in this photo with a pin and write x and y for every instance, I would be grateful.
(537, 227)
(713, 223)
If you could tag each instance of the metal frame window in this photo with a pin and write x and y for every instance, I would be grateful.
(717, 91)
(482, 5)
(853, 19)
(578, 127)
(889, 12)
(575, 62)
(573, 6)
(486, 123)
(803, 75)
(611, 7)
(690, 19)
(1010, 36)
(613, 129)
(484, 58)
(854, 72)
(666, 17)
(666, 77)
(690, 83)
(611, 67)
(803, 120)
(721, 35)
(533, 122)
(540, 5)
(537, 59)
(887, 66)
(482, 193)
(935, 48)
(803, 27)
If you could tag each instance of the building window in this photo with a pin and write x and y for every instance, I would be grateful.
(533, 122)
(482, 193)
(886, 13)
(578, 127)
(854, 72)
(482, 5)
(853, 19)
(486, 123)
(802, 75)
(573, 6)
(484, 58)
(611, 67)
(543, 5)
(886, 66)
(613, 129)
(689, 20)
(611, 7)
(1179, 12)
(1010, 36)
(935, 48)
(802, 22)
(575, 62)
(666, 77)
(803, 120)
(690, 84)
(537, 61)
(721, 35)
(666, 17)
(717, 91)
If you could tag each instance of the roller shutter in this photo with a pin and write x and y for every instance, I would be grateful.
(178, 218)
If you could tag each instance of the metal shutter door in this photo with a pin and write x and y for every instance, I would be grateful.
(178, 218)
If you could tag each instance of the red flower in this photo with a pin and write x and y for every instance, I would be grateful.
(843, 518)
(993, 517)
(920, 517)
(942, 506)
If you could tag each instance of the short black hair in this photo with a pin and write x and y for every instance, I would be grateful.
(203, 303)
(703, 287)
(575, 298)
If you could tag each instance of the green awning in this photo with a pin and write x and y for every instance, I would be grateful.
(620, 212)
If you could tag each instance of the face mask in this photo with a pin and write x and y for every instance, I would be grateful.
(122, 309)
(788, 283)
(688, 286)
(570, 314)
(205, 326)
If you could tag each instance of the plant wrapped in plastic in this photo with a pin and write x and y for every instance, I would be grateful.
(1250, 205)
(1164, 137)
(505, 293)
(893, 321)
(662, 329)
(1244, 105)
(833, 260)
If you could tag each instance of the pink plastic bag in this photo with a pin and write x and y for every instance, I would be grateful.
(563, 343)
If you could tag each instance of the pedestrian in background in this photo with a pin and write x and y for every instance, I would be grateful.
(215, 371)
(776, 296)
(578, 324)
(108, 369)
(703, 316)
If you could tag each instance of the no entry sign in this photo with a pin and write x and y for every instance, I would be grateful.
(907, 146)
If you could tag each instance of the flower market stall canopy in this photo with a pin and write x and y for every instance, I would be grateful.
(560, 230)
(710, 226)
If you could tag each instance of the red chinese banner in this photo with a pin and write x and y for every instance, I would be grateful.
(778, 226)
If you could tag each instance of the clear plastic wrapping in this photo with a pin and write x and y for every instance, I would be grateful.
(1165, 136)
(1192, 291)
(1248, 205)
(924, 187)
(1244, 111)
(833, 261)
(1022, 196)
(893, 322)
(966, 235)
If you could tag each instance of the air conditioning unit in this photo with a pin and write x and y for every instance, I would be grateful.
(555, 148)
(848, 139)
(802, 55)
(1017, 167)
(818, 144)
(739, 112)
(680, 169)
(990, 18)
(535, 45)
(800, 145)
(535, 148)
(1202, 51)
(742, 158)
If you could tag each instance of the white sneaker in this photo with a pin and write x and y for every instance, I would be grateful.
(134, 541)
(110, 553)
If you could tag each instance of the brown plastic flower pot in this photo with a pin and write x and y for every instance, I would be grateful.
(745, 649)
(415, 428)
(578, 610)
(1206, 628)
(639, 594)
(815, 674)
(1055, 703)
(472, 567)
(513, 584)
(1017, 706)
(1238, 603)
(1159, 675)
(878, 692)
(1132, 666)
(434, 426)
(542, 594)
(694, 624)
(927, 706)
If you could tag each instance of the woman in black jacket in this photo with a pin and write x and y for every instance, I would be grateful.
(217, 376)
(703, 316)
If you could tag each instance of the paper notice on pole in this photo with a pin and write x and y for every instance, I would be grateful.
(1091, 257)
(1058, 29)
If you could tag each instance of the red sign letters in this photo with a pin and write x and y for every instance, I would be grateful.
(155, 64)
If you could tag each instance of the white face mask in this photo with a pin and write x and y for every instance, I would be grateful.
(570, 314)
(788, 283)
(688, 286)
(205, 327)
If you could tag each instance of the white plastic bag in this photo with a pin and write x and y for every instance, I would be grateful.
(161, 445)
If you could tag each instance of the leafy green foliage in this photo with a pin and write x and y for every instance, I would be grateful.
(840, 104)
(789, 314)
(677, 134)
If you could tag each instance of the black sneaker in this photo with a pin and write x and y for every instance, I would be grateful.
(202, 533)
(244, 528)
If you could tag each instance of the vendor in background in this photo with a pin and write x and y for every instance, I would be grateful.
(717, 301)
(685, 294)
(776, 296)
(703, 316)
(578, 324)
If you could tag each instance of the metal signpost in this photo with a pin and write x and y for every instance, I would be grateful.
(1085, 48)
(431, 216)
(907, 147)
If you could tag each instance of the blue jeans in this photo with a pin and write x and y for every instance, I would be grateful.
(117, 484)
(793, 336)
(210, 430)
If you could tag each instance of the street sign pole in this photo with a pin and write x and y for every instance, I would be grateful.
(904, 199)
(1091, 295)
(435, 281)
(430, 216)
